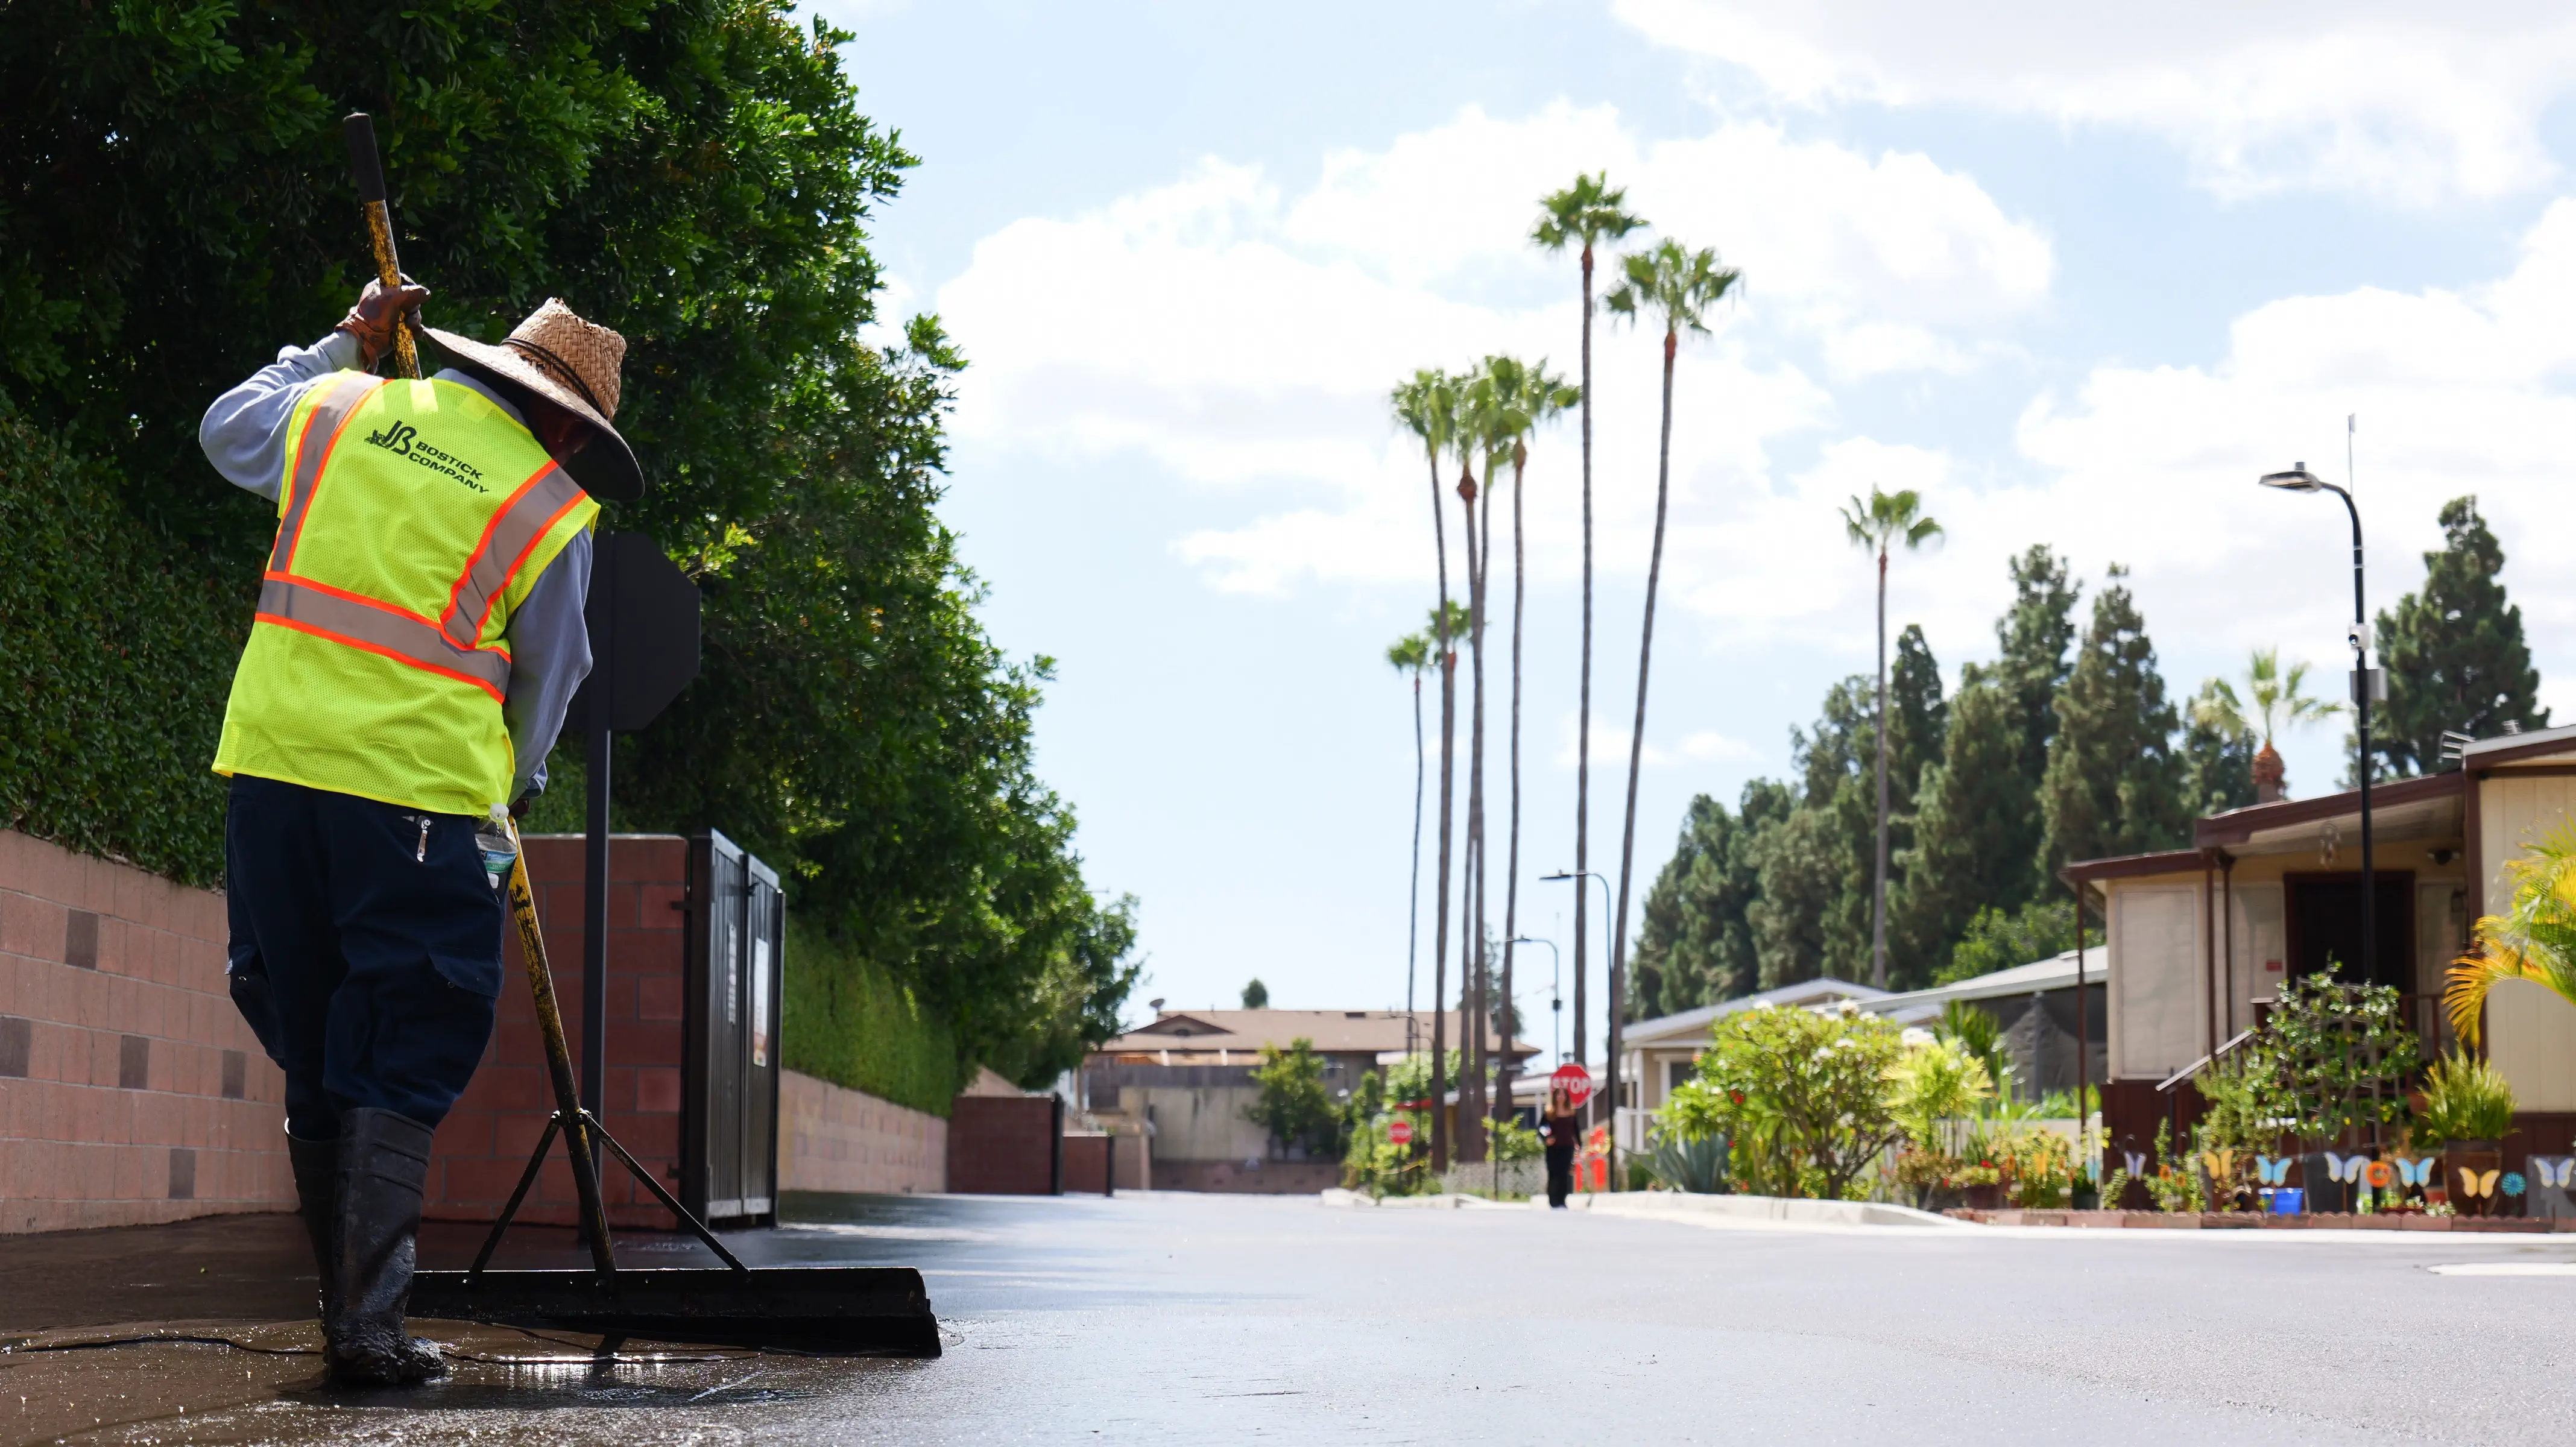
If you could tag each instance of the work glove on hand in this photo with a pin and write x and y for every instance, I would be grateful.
(373, 319)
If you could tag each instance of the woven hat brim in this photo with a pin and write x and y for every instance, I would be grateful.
(606, 469)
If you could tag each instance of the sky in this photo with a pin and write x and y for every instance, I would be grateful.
(2076, 274)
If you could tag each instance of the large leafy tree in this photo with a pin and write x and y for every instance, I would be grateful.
(2114, 783)
(1583, 216)
(2454, 652)
(1886, 518)
(698, 175)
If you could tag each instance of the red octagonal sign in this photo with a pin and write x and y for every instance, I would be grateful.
(1574, 1080)
(1399, 1132)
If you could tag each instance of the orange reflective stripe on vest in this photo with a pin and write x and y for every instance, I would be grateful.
(345, 617)
(513, 535)
(322, 428)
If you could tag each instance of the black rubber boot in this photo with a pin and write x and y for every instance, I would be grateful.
(317, 1195)
(384, 1162)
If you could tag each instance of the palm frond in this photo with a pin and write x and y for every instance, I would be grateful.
(2534, 940)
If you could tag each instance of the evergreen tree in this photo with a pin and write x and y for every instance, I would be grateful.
(1917, 715)
(2217, 753)
(1976, 822)
(2034, 636)
(2454, 653)
(2114, 783)
(1697, 945)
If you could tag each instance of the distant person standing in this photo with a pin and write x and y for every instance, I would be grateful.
(1563, 1128)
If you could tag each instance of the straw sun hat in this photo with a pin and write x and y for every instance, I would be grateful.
(572, 364)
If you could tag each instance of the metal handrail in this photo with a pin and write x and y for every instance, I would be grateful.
(2204, 1062)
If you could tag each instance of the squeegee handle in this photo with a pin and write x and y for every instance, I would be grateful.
(541, 984)
(369, 172)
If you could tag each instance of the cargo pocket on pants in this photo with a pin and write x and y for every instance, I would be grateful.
(247, 980)
(476, 976)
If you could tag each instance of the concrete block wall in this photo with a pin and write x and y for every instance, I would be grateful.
(484, 1143)
(835, 1139)
(131, 1090)
(1005, 1145)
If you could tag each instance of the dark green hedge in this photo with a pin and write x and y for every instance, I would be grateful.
(120, 652)
(849, 1021)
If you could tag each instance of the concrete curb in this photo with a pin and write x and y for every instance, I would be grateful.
(1677, 1205)
(1445, 1202)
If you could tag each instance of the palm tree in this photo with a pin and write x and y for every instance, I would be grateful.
(1872, 526)
(1679, 287)
(2280, 701)
(1584, 214)
(1481, 416)
(1521, 396)
(1410, 656)
(1427, 406)
(2535, 940)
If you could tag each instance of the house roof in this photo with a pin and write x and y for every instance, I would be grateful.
(2428, 807)
(2513, 748)
(1333, 1032)
(2057, 972)
(1690, 1027)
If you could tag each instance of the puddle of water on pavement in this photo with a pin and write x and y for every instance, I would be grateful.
(205, 1382)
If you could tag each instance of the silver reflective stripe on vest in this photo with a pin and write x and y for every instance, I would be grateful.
(322, 428)
(512, 535)
(344, 618)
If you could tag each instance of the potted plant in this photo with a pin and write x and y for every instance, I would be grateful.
(2468, 1107)
(1981, 1186)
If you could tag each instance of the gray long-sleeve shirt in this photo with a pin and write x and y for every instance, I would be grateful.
(244, 436)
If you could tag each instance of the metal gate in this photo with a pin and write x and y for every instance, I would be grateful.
(729, 1118)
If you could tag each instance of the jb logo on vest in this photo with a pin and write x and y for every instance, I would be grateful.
(395, 438)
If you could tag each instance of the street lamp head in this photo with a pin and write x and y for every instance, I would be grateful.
(2297, 479)
(1559, 877)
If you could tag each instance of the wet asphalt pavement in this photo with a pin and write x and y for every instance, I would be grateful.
(1173, 1317)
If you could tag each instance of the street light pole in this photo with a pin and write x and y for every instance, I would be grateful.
(2299, 479)
(1578, 876)
(1555, 994)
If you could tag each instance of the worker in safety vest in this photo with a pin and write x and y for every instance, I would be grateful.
(418, 637)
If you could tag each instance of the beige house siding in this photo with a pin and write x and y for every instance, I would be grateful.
(2158, 1016)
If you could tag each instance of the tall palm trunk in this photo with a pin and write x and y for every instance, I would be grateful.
(1413, 918)
(1448, 757)
(1878, 897)
(1583, 705)
(1471, 1086)
(1512, 865)
(1637, 744)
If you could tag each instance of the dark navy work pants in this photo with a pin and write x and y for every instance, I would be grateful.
(366, 949)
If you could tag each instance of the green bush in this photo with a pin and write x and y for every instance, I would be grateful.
(121, 650)
(852, 1023)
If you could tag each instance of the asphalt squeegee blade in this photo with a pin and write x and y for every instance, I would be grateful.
(830, 1310)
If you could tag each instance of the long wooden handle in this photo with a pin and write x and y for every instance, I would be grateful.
(541, 984)
(368, 170)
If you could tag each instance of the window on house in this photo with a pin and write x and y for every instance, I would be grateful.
(1676, 1072)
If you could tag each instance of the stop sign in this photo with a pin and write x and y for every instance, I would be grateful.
(1574, 1080)
(1399, 1132)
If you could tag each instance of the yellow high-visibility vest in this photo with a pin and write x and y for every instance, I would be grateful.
(415, 517)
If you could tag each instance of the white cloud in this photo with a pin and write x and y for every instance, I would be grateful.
(1246, 339)
(2411, 102)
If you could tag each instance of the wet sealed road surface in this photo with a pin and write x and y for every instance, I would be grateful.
(1175, 1318)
